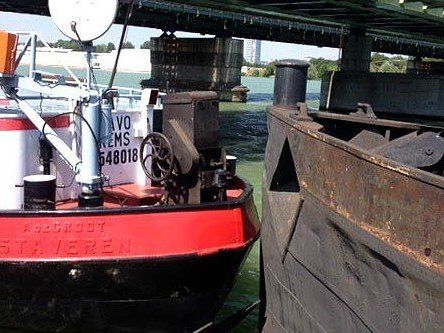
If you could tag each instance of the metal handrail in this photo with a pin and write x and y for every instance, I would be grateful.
(131, 90)
(30, 44)
(34, 36)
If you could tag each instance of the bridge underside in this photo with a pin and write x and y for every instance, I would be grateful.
(412, 28)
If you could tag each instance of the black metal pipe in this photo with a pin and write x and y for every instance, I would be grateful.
(290, 83)
(122, 40)
(46, 155)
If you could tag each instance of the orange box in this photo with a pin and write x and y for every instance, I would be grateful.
(8, 51)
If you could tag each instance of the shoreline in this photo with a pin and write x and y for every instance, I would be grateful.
(127, 71)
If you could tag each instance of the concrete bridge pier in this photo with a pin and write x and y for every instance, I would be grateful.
(187, 64)
(418, 92)
(356, 52)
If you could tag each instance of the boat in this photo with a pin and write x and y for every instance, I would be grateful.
(352, 232)
(106, 225)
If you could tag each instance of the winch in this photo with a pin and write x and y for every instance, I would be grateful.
(195, 170)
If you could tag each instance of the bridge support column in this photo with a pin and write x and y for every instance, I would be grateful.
(356, 52)
(414, 65)
(187, 64)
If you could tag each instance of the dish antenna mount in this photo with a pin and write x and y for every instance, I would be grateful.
(86, 20)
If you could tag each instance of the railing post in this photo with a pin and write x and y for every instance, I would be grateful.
(131, 92)
(32, 62)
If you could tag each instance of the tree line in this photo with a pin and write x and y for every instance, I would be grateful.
(380, 63)
(318, 66)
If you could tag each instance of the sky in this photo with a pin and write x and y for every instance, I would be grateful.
(46, 27)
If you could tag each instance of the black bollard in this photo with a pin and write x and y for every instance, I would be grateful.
(39, 192)
(291, 83)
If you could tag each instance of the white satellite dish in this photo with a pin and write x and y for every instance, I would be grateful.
(91, 18)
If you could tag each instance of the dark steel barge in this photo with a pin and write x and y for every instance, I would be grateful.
(353, 219)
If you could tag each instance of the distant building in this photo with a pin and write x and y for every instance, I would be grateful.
(253, 51)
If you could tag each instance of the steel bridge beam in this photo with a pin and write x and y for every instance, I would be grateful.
(393, 27)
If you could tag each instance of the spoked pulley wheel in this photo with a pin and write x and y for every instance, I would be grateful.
(157, 157)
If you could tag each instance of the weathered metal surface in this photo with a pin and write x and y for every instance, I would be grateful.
(364, 252)
(191, 123)
(416, 150)
(291, 85)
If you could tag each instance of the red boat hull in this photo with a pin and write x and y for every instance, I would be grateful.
(164, 268)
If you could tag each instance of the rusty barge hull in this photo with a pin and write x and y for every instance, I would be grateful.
(351, 241)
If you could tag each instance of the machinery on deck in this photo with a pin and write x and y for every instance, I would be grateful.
(196, 171)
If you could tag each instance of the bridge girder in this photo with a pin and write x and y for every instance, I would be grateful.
(393, 26)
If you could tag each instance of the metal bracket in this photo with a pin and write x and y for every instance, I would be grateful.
(364, 110)
(302, 113)
(423, 150)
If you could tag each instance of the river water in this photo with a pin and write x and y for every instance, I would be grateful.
(244, 134)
